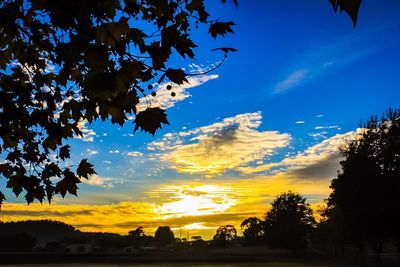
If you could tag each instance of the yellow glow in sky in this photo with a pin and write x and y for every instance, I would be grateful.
(192, 207)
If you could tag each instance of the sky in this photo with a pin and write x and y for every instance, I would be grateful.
(269, 120)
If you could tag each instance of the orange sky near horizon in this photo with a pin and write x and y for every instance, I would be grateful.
(189, 209)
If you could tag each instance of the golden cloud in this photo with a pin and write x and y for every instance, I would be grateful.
(221, 146)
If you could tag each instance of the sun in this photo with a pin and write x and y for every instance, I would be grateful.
(196, 200)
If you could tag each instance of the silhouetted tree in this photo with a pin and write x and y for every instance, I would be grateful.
(367, 190)
(225, 235)
(288, 222)
(164, 235)
(330, 231)
(17, 242)
(253, 231)
(137, 233)
(196, 238)
(42, 231)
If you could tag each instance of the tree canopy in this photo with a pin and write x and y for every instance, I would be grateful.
(65, 62)
(225, 235)
(288, 221)
(164, 235)
(365, 200)
(253, 231)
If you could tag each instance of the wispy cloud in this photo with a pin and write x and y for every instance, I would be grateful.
(164, 99)
(326, 127)
(312, 64)
(292, 80)
(300, 122)
(221, 146)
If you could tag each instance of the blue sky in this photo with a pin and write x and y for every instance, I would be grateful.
(270, 119)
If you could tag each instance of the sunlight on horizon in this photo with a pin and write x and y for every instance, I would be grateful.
(196, 200)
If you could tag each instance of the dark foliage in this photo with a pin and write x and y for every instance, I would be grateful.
(288, 222)
(66, 62)
(364, 204)
(42, 231)
(253, 231)
(17, 242)
(224, 236)
(164, 236)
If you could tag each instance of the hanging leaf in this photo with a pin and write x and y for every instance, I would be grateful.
(225, 49)
(150, 120)
(220, 28)
(177, 76)
(68, 183)
(85, 169)
(351, 7)
(64, 152)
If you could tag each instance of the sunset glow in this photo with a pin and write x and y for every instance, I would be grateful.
(270, 119)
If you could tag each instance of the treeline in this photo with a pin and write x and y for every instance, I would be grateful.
(24, 235)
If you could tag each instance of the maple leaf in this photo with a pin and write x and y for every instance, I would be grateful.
(85, 169)
(351, 7)
(68, 183)
(220, 28)
(64, 152)
(150, 120)
(177, 76)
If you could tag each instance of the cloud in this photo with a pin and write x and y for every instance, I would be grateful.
(164, 100)
(91, 152)
(219, 147)
(292, 80)
(87, 133)
(193, 200)
(96, 180)
(134, 154)
(300, 122)
(326, 127)
(320, 161)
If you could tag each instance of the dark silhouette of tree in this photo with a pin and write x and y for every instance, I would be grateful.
(17, 242)
(288, 222)
(330, 231)
(366, 193)
(198, 242)
(63, 63)
(42, 231)
(137, 233)
(225, 235)
(196, 238)
(253, 231)
(164, 235)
